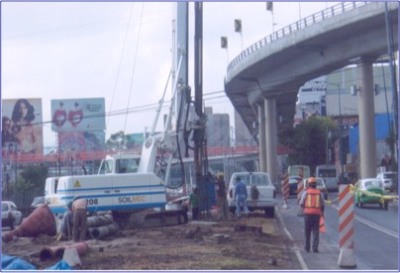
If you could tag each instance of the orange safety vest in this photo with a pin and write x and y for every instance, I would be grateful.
(312, 204)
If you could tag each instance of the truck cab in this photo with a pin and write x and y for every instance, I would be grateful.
(119, 163)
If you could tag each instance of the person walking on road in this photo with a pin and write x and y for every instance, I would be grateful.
(241, 197)
(313, 204)
(221, 198)
(80, 219)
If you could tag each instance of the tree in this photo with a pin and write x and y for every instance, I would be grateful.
(31, 182)
(308, 140)
(117, 142)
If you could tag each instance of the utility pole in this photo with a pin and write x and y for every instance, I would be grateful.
(204, 186)
(389, 32)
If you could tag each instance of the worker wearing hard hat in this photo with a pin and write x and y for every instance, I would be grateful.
(313, 204)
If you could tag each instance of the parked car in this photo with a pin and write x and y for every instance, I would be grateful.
(388, 179)
(320, 186)
(293, 181)
(10, 215)
(373, 186)
(261, 192)
(37, 201)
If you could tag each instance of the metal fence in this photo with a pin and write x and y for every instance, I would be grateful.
(299, 25)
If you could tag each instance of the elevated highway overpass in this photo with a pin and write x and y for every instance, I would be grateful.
(262, 82)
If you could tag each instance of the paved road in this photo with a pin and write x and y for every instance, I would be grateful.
(376, 237)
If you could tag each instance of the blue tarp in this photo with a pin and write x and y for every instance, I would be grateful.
(15, 263)
(381, 132)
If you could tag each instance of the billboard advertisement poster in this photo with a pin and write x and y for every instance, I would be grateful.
(22, 125)
(77, 115)
(81, 141)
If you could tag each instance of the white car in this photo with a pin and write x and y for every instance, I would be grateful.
(320, 186)
(10, 215)
(261, 193)
(388, 179)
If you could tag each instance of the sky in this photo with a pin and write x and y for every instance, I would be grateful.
(122, 51)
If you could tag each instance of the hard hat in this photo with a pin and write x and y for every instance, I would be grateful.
(220, 175)
(312, 180)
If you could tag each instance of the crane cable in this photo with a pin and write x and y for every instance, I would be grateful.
(134, 65)
(120, 62)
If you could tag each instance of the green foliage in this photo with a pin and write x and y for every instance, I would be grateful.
(308, 141)
(117, 142)
(35, 174)
(30, 183)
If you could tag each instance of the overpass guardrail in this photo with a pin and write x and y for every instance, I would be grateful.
(301, 24)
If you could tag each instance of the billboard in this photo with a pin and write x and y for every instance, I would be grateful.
(22, 129)
(78, 115)
(81, 141)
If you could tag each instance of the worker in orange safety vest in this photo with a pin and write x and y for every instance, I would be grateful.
(313, 205)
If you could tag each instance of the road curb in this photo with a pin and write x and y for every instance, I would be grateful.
(295, 249)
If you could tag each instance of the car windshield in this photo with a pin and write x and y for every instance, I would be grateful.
(38, 200)
(4, 206)
(372, 183)
(255, 179)
(294, 179)
(327, 173)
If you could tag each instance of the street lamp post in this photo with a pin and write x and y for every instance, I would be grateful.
(340, 130)
(327, 138)
(340, 123)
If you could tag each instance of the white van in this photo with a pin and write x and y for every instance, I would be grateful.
(329, 174)
(264, 199)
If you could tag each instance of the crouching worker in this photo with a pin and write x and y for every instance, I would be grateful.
(66, 224)
(80, 219)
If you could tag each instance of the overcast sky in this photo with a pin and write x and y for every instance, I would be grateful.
(122, 51)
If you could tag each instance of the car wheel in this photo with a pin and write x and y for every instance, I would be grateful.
(386, 205)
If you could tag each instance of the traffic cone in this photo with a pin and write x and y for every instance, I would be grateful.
(321, 224)
(40, 221)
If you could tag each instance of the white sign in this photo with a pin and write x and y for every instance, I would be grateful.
(71, 115)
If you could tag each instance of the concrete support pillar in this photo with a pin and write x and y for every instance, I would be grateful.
(366, 115)
(270, 137)
(261, 139)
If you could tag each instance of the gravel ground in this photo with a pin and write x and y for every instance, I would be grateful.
(254, 243)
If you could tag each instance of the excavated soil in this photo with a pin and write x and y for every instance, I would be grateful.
(255, 243)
